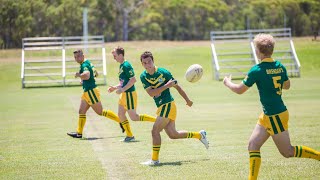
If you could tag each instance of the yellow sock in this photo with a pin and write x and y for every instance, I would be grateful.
(306, 152)
(146, 117)
(155, 152)
(255, 161)
(196, 135)
(111, 115)
(126, 127)
(81, 123)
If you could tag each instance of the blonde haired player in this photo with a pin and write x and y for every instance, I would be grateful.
(128, 95)
(157, 82)
(270, 77)
(91, 93)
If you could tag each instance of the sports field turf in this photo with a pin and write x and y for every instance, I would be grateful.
(34, 123)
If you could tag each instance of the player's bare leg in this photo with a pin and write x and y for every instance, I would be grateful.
(174, 134)
(158, 126)
(257, 139)
(282, 140)
(140, 117)
(125, 124)
(83, 108)
(97, 107)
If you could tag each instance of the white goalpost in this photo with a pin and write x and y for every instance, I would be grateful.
(49, 61)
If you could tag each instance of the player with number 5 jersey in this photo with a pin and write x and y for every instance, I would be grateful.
(271, 77)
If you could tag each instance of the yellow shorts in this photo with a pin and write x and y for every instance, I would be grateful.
(128, 100)
(91, 96)
(276, 123)
(168, 110)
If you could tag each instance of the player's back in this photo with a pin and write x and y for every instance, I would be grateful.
(270, 78)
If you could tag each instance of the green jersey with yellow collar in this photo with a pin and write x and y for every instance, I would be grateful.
(125, 73)
(160, 77)
(269, 77)
(86, 65)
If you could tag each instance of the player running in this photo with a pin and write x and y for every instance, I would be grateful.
(271, 77)
(157, 82)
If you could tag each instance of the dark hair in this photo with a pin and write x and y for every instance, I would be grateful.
(119, 50)
(146, 54)
(78, 51)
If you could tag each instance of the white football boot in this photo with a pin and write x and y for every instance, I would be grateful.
(204, 138)
(151, 163)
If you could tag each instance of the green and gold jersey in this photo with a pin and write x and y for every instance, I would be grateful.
(86, 65)
(269, 77)
(125, 73)
(160, 77)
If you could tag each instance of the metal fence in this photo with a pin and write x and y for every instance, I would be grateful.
(233, 52)
(49, 61)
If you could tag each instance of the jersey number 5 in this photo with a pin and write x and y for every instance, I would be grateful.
(276, 84)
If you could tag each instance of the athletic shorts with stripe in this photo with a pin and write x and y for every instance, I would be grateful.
(91, 96)
(274, 124)
(128, 100)
(168, 110)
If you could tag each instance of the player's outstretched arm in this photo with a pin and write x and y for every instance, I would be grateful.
(183, 94)
(237, 88)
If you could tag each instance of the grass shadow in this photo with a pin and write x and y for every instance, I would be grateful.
(91, 138)
(179, 163)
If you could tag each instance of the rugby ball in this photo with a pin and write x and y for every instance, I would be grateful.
(194, 73)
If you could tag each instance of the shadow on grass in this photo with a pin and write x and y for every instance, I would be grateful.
(179, 163)
(91, 138)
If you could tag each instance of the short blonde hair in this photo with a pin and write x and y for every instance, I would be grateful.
(264, 43)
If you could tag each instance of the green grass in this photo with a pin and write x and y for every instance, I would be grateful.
(34, 122)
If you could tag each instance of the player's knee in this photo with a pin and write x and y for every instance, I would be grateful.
(155, 132)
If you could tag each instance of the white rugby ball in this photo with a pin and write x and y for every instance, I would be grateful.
(194, 73)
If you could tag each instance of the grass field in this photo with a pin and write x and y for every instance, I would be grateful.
(34, 123)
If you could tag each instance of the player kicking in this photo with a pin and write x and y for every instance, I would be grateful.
(271, 77)
(91, 94)
(157, 82)
(128, 94)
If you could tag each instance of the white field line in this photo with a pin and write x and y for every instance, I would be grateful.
(101, 139)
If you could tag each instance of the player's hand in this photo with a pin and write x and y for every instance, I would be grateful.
(171, 83)
(81, 82)
(77, 75)
(119, 91)
(227, 79)
(189, 103)
(111, 89)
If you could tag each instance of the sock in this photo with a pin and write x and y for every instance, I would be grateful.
(196, 135)
(255, 161)
(126, 126)
(111, 115)
(81, 123)
(146, 117)
(155, 152)
(306, 152)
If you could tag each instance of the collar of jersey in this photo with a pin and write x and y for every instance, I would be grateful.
(83, 61)
(155, 69)
(267, 60)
